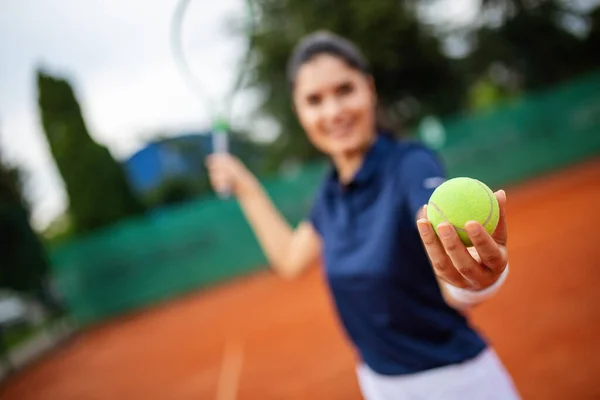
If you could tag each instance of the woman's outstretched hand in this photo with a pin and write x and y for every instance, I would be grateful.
(473, 268)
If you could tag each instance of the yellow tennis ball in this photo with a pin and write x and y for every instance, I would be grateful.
(460, 200)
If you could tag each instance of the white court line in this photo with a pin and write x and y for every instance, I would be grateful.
(230, 371)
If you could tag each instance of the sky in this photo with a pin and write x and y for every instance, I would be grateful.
(118, 58)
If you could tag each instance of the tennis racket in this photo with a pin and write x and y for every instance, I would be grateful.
(219, 106)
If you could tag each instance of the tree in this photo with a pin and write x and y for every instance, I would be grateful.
(593, 38)
(528, 39)
(98, 191)
(412, 74)
(24, 265)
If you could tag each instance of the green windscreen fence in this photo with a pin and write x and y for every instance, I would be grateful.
(537, 133)
(143, 261)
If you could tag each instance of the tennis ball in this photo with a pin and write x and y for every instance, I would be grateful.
(459, 200)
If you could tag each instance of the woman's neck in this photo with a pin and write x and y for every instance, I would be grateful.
(348, 164)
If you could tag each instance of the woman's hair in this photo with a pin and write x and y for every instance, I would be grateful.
(324, 42)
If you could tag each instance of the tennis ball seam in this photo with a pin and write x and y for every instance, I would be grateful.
(487, 220)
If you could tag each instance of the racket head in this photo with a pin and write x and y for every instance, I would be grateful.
(218, 102)
(219, 107)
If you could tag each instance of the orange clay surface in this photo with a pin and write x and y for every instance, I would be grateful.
(263, 338)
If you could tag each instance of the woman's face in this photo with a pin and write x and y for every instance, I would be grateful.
(335, 105)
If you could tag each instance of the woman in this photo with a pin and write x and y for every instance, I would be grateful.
(399, 289)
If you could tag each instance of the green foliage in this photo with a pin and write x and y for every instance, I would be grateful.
(493, 89)
(593, 38)
(58, 231)
(531, 42)
(11, 184)
(23, 261)
(484, 94)
(176, 190)
(98, 191)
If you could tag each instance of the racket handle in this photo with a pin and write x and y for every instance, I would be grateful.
(220, 141)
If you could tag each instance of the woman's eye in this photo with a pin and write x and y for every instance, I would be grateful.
(345, 88)
(313, 99)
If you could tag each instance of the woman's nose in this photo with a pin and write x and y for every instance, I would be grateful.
(332, 109)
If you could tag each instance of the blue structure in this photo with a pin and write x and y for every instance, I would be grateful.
(180, 157)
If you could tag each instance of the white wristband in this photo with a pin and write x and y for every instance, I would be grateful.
(469, 297)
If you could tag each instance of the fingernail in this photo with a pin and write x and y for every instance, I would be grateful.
(445, 230)
(422, 226)
(472, 228)
(502, 193)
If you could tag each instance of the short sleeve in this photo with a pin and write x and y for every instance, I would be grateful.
(422, 173)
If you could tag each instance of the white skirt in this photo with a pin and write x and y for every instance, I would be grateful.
(481, 378)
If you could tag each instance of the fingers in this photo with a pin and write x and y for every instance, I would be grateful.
(220, 172)
(229, 175)
(440, 260)
(491, 249)
(422, 213)
(468, 267)
(475, 267)
(215, 159)
(492, 254)
(501, 232)
(220, 181)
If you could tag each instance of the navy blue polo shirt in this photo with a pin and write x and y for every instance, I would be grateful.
(381, 281)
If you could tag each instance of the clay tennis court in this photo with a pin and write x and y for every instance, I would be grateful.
(264, 338)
